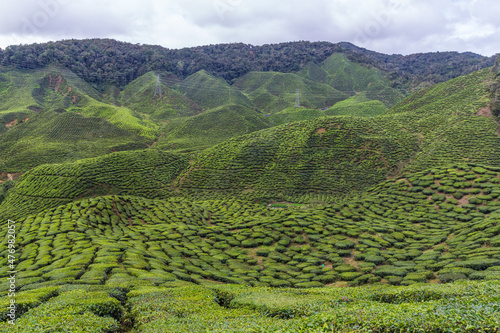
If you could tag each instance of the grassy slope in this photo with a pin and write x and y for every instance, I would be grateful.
(326, 155)
(145, 173)
(358, 106)
(212, 127)
(138, 96)
(273, 91)
(63, 120)
(211, 92)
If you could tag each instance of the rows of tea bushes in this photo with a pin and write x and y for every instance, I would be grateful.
(52, 137)
(326, 155)
(338, 155)
(211, 92)
(273, 91)
(290, 114)
(438, 225)
(66, 309)
(460, 96)
(58, 117)
(146, 173)
(184, 307)
(139, 95)
(213, 126)
(357, 106)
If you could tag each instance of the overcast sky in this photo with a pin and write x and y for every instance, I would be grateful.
(388, 26)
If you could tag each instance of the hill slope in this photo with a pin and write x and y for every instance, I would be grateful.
(212, 127)
(449, 120)
(58, 117)
(273, 92)
(211, 92)
(144, 173)
(437, 224)
(326, 155)
(139, 95)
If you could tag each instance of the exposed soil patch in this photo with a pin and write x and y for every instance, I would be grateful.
(350, 260)
(486, 112)
(12, 123)
(9, 176)
(320, 130)
(463, 201)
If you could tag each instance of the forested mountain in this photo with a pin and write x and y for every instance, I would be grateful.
(104, 62)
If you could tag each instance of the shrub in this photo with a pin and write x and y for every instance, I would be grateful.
(349, 276)
(389, 270)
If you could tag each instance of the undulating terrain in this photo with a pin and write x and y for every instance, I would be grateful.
(296, 187)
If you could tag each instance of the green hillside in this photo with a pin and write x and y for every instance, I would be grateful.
(22, 92)
(437, 224)
(220, 206)
(211, 92)
(326, 155)
(440, 225)
(352, 78)
(139, 95)
(212, 127)
(273, 91)
(289, 115)
(146, 173)
(57, 117)
(51, 137)
(357, 106)
(447, 118)
(339, 155)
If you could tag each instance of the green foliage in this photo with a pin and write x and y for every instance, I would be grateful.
(142, 173)
(139, 95)
(214, 126)
(211, 92)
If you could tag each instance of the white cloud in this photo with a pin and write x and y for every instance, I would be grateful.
(389, 26)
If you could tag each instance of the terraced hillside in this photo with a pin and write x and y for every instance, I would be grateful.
(325, 155)
(211, 92)
(358, 106)
(273, 91)
(58, 117)
(334, 155)
(146, 173)
(292, 114)
(351, 78)
(139, 95)
(450, 121)
(440, 225)
(212, 127)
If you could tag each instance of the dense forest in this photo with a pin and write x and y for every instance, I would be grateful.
(107, 62)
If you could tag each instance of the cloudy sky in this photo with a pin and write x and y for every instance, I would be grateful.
(388, 26)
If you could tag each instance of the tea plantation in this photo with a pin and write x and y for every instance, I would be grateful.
(107, 261)
(219, 207)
